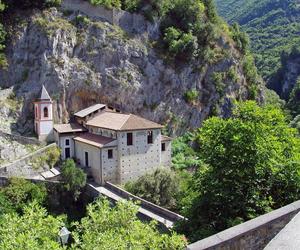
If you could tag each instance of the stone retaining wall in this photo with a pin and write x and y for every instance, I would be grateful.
(131, 23)
(5, 180)
(254, 234)
(18, 169)
(19, 138)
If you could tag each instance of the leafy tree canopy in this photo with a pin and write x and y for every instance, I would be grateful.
(252, 166)
(74, 177)
(160, 187)
(118, 227)
(20, 192)
(33, 230)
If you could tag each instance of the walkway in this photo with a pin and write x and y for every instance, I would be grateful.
(147, 209)
(288, 238)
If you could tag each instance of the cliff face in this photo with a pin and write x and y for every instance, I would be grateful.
(83, 61)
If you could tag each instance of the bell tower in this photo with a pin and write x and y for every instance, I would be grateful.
(43, 116)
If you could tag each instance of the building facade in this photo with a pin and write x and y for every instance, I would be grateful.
(113, 146)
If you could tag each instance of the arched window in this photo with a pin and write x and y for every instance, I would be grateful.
(46, 112)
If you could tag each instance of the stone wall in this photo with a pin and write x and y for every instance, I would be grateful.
(19, 138)
(131, 23)
(21, 167)
(140, 158)
(254, 234)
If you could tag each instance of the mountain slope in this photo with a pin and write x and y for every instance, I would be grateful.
(273, 27)
(82, 60)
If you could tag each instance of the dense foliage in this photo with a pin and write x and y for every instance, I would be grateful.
(26, 224)
(160, 187)
(183, 154)
(273, 27)
(35, 229)
(74, 177)
(252, 166)
(119, 228)
(20, 193)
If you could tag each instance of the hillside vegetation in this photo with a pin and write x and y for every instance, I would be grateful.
(273, 27)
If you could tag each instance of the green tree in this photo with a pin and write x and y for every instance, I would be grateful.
(160, 187)
(252, 163)
(183, 154)
(21, 192)
(74, 177)
(179, 44)
(118, 227)
(33, 230)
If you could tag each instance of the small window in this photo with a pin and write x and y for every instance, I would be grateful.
(46, 114)
(110, 154)
(129, 139)
(163, 147)
(150, 137)
(36, 112)
(67, 142)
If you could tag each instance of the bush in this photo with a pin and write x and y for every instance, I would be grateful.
(52, 3)
(21, 192)
(191, 96)
(74, 177)
(179, 44)
(160, 187)
(109, 4)
(131, 5)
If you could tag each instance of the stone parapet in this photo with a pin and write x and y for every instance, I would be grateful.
(254, 234)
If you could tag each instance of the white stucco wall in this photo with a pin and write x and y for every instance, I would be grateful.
(141, 157)
(62, 145)
(94, 158)
(46, 127)
(166, 156)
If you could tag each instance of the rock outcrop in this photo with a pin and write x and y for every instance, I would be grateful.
(83, 61)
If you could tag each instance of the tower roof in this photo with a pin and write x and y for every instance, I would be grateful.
(44, 94)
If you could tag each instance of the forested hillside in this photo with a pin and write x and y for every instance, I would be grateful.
(273, 27)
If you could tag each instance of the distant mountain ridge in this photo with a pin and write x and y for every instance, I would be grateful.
(273, 27)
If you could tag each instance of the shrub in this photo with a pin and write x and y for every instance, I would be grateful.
(52, 3)
(179, 44)
(131, 5)
(191, 96)
(160, 187)
(109, 4)
(20, 192)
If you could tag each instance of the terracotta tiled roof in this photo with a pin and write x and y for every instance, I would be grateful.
(121, 122)
(85, 112)
(166, 138)
(69, 128)
(94, 140)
